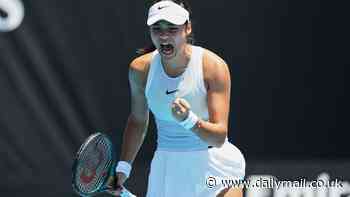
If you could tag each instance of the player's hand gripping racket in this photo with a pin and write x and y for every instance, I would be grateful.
(93, 165)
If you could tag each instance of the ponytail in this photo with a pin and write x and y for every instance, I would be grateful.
(146, 49)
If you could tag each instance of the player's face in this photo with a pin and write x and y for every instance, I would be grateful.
(169, 38)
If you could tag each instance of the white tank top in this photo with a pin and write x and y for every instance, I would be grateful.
(161, 90)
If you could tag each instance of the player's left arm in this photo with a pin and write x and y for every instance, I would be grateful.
(218, 84)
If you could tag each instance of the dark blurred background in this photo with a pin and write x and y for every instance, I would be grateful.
(63, 75)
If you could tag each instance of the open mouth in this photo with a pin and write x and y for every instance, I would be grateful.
(166, 49)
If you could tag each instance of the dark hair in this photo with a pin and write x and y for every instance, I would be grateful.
(190, 38)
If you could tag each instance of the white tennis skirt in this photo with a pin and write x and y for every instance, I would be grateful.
(194, 173)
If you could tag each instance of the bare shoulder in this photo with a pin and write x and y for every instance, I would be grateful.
(138, 68)
(141, 63)
(214, 67)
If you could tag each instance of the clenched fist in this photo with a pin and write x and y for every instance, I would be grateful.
(180, 109)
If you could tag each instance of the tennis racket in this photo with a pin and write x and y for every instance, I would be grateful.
(94, 163)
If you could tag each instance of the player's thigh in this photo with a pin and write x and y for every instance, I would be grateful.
(231, 192)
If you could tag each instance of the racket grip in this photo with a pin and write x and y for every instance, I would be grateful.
(126, 193)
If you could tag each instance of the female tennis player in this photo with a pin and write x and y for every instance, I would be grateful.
(187, 88)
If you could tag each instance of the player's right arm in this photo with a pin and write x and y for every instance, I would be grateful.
(137, 123)
(136, 126)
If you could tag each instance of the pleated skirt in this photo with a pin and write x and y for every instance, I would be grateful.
(194, 173)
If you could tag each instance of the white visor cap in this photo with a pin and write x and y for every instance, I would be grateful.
(168, 11)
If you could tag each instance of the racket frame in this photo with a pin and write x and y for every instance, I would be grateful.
(111, 166)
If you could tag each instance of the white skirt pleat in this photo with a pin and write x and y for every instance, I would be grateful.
(185, 174)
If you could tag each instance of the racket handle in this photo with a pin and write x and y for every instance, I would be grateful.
(126, 193)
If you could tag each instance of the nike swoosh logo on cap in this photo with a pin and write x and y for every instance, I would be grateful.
(161, 7)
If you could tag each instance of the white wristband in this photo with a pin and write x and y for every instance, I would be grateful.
(190, 121)
(124, 167)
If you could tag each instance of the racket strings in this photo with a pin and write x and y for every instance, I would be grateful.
(94, 162)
